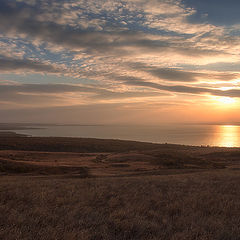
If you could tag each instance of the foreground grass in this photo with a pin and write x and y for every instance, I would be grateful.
(189, 206)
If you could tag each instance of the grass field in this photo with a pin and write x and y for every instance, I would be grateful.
(146, 192)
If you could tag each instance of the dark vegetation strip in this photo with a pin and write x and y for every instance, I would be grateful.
(63, 144)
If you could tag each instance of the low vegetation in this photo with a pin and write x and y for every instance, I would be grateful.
(77, 189)
(57, 144)
(13, 167)
(203, 206)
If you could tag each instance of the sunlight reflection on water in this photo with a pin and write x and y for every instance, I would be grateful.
(228, 136)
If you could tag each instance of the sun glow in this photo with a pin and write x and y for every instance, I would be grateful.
(226, 100)
(225, 88)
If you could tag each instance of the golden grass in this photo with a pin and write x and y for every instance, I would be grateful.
(77, 189)
(203, 206)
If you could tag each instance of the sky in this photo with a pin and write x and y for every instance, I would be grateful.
(119, 62)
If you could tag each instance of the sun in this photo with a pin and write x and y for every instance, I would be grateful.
(226, 100)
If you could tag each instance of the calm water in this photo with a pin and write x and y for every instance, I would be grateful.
(214, 135)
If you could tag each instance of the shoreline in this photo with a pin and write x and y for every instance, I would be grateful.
(12, 134)
(212, 136)
(91, 157)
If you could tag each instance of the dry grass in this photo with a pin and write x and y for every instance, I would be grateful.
(92, 191)
(203, 206)
(13, 167)
(64, 144)
(100, 164)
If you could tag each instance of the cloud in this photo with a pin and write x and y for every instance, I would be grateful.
(218, 66)
(85, 114)
(185, 89)
(24, 19)
(180, 75)
(42, 88)
(65, 94)
(8, 64)
(169, 88)
(110, 113)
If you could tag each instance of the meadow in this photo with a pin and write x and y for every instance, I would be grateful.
(110, 189)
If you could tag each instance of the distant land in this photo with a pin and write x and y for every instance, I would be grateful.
(24, 126)
(107, 157)
(11, 134)
(16, 126)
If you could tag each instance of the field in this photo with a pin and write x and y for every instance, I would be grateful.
(67, 188)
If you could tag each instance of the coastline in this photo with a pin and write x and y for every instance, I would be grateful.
(211, 135)
(108, 157)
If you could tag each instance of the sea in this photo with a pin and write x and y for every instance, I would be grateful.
(185, 134)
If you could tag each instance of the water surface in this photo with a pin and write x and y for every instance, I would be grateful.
(213, 135)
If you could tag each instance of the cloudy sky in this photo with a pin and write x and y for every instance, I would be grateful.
(114, 61)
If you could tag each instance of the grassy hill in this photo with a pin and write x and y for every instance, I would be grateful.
(81, 189)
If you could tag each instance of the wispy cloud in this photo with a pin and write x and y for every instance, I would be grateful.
(8, 64)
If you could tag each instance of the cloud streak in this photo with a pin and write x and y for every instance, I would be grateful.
(8, 64)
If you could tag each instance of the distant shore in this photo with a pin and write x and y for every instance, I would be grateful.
(27, 126)
(12, 134)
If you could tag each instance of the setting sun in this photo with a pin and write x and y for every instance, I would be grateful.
(226, 100)
(223, 102)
